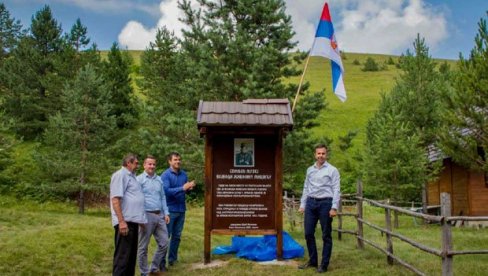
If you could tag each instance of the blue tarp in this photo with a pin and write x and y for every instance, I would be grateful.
(261, 248)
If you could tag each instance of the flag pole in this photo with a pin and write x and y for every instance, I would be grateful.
(300, 85)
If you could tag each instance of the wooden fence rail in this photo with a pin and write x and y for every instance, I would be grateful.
(445, 219)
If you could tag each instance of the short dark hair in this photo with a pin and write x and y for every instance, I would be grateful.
(321, 146)
(129, 158)
(171, 154)
(149, 156)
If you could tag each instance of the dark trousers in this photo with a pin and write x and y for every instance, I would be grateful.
(175, 228)
(125, 254)
(318, 210)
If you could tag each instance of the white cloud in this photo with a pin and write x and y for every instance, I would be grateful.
(373, 26)
(135, 36)
(113, 5)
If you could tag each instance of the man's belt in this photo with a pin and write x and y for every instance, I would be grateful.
(320, 198)
(157, 212)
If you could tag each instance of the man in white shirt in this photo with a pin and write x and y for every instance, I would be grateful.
(320, 197)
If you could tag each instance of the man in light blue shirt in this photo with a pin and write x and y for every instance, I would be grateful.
(157, 217)
(127, 207)
(320, 198)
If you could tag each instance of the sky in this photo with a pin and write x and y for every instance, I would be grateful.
(361, 26)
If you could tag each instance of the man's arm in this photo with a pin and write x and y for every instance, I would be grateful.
(336, 190)
(303, 200)
(116, 205)
(164, 205)
(170, 191)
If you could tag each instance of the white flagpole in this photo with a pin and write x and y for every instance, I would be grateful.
(300, 85)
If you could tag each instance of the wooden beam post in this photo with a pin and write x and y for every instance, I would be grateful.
(278, 194)
(360, 214)
(339, 220)
(389, 242)
(208, 199)
(446, 235)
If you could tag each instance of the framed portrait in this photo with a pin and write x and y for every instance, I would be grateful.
(243, 152)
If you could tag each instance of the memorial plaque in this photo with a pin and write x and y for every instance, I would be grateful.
(244, 167)
(244, 183)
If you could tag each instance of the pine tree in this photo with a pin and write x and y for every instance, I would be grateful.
(77, 37)
(10, 32)
(413, 106)
(394, 164)
(117, 75)
(231, 51)
(464, 136)
(79, 135)
(239, 49)
(31, 81)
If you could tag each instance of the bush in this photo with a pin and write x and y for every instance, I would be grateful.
(390, 61)
(370, 65)
(356, 62)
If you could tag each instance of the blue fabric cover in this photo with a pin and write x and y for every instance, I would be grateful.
(261, 248)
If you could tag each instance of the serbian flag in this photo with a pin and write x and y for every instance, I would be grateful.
(325, 45)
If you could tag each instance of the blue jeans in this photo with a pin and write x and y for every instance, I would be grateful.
(155, 226)
(318, 210)
(175, 228)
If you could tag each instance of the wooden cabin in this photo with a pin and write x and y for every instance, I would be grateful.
(468, 188)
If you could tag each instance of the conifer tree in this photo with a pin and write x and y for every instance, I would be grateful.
(414, 106)
(230, 51)
(465, 135)
(117, 75)
(10, 32)
(30, 78)
(240, 48)
(79, 135)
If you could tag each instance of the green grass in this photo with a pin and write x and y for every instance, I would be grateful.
(52, 239)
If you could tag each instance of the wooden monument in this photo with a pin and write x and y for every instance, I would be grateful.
(243, 167)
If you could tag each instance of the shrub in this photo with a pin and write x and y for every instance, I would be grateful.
(370, 65)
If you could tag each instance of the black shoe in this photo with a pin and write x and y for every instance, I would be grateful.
(307, 265)
(163, 269)
(321, 269)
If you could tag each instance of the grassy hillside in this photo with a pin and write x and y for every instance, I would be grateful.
(363, 89)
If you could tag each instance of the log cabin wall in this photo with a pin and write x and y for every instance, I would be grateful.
(468, 189)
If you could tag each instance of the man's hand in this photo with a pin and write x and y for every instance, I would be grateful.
(166, 219)
(123, 228)
(332, 213)
(301, 210)
(189, 185)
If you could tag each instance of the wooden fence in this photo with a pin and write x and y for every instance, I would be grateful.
(445, 219)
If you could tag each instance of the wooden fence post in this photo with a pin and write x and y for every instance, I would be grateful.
(395, 223)
(446, 235)
(389, 242)
(424, 200)
(360, 214)
(339, 220)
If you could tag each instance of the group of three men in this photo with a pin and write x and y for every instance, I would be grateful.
(142, 207)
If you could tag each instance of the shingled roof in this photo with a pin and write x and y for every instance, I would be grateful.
(251, 112)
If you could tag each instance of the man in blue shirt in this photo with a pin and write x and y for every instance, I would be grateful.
(176, 185)
(157, 217)
(320, 197)
(127, 207)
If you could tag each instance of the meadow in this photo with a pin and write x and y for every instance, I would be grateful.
(53, 239)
